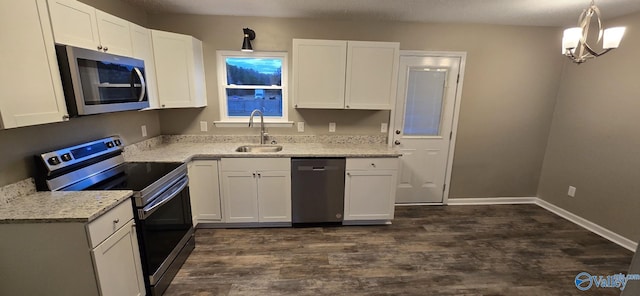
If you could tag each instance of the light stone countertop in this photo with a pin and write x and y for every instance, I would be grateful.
(61, 206)
(184, 152)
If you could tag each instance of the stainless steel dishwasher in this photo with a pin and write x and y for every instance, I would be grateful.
(317, 190)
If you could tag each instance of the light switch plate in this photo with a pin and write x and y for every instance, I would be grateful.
(204, 126)
(144, 130)
(332, 127)
(301, 127)
(383, 128)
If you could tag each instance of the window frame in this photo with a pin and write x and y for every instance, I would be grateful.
(228, 121)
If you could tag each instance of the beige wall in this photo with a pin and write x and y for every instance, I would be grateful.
(594, 139)
(507, 102)
(18, 146)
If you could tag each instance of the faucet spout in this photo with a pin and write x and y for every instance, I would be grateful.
(263, 134)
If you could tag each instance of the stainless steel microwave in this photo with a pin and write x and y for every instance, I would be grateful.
(96, 82)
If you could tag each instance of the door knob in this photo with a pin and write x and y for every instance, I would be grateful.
(398, 132)
(397, 142)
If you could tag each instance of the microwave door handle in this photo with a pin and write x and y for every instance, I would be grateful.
(173, 191)
(142, 83)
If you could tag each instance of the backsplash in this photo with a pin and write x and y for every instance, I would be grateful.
(328, 139)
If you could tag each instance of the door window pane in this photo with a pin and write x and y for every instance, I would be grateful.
(425, 94)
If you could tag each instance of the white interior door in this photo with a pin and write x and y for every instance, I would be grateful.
(423, 125)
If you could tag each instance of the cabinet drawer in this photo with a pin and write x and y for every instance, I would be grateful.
(372, 163)
(109, 222)
(255, 164)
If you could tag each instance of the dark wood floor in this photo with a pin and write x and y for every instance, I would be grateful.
(429, 250)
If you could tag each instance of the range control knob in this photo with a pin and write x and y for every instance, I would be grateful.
(66, 157)
(53, 160)
(110, 144)
(118, 143)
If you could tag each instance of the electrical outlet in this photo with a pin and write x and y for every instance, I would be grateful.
(301, 127)
(332, 127)
(144, 130)
(204, 126)
(383, 128)
(572, 191)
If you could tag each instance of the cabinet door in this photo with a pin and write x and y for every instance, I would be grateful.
(143, 49)
(369, 195)
(239, 192)
(117, 264)
(372, 71)
(204, 190)
(74, 23)
(274, 196)
(115, 36)
(180, 81)
(319, 73)
(29, 76)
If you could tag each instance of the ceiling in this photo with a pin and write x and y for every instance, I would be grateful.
(505, 12)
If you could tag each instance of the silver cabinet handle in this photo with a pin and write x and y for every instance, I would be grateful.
(373, 165)
(106, 48)
(398, 132)
(397, 142)
(143, 85)
(254, 175)
(117, 220)
(99, 47)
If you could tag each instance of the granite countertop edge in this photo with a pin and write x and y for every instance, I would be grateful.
(62, 207)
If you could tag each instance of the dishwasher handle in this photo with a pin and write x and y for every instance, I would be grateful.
(310, 168)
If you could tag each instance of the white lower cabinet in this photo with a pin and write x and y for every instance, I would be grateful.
(204, 190)
(370, 189)
(256, 190)
(100, 258)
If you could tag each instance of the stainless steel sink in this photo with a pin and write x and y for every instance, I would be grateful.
(259, 148)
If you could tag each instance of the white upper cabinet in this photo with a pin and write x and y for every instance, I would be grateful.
(77, 24)
(179, 70)
(372, 71)
(143, 49)
(319, 73)
(332, 74)
(29, 77)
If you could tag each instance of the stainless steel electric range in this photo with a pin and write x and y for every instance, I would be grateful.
(161, 201)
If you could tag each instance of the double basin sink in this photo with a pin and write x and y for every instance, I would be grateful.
(259, 148)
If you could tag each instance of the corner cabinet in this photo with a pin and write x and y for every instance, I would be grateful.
(334, 74)
(256, 190)
(204, 190)
(179, 70)
(370, 190)
(29, 77)
(77, 24)
(99, 258)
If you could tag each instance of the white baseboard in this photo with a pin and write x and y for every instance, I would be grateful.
(588, 225)
(492, 201)
(584, 223)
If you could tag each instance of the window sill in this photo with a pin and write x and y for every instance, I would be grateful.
(257, 123)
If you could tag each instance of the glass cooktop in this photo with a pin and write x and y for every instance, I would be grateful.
(137, 176)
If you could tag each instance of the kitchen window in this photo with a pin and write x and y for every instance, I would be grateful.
(249, 81)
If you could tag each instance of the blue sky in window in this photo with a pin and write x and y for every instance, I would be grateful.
(262, 65)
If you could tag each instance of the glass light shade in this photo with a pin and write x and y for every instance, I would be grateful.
(570, 38)
(612, 37)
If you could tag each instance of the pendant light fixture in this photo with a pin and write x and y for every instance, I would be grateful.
(246, 42)
(574, 40)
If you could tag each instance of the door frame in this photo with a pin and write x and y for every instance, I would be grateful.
(456, 110)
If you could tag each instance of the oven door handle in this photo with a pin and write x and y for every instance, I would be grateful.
(164, 198)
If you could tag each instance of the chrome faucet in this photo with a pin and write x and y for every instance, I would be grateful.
(263, 133)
